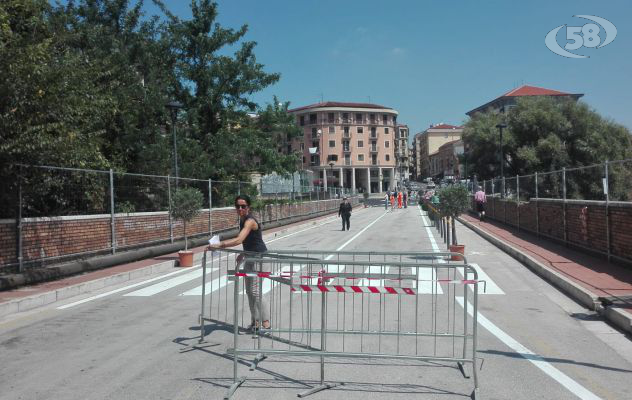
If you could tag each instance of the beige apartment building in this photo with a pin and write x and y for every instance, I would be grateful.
(402, 161)
(445, 162)
(350, 145)
(427, 144)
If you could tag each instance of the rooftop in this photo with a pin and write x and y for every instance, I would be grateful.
(340, 104)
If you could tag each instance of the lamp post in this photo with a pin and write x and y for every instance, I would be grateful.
(320, 152)
(500, 127)
(173, 107)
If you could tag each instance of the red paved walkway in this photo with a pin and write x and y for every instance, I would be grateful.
(594, 274)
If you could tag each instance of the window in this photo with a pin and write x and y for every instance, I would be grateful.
(302, 120)
(386, 131)
(332, 143)
(314, 133)
(372, 118)
(330, 118)
(346, 130)
(332, 129)
(360, 143)
(360, 157)
(360, 130)
(388, 158)
(387, 144)
(332, 157)
(345, 117)
(385, 118)
(358, 118)
(312, 119)
(303, 159)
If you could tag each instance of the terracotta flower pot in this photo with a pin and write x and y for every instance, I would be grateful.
(457, 248)
(186, 258)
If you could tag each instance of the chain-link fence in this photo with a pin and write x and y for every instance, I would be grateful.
(611, 181)
(51, 214)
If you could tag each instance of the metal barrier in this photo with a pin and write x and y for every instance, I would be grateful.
(382, 305)
(216, 293)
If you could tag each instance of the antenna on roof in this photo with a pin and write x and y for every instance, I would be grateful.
(321, 97)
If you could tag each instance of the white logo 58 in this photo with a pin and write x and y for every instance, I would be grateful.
(581, 36)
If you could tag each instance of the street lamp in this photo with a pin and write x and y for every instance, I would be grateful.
(173, 107)
(500, 127)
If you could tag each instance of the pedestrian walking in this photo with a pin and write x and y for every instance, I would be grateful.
(345, 212)
(251, 239)
(399, 199)
(392, 201)
(405, 200)
(386, 199)
(480, 199)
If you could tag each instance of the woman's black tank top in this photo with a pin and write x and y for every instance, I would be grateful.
(254, 240)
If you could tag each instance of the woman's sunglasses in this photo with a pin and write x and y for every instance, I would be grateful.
(241, 206)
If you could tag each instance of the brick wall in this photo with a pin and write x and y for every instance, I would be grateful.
(584, 223)
(46, 238)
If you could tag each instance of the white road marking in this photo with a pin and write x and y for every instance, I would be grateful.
(489, 285)
(210, 287)
(76, 303)
(563, 379)
(424, 285)
(166, 285)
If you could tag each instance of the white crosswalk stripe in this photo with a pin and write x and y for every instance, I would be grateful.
(166, 285)
(490, 286)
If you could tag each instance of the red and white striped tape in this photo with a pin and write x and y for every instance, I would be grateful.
(288, 275)
(353, 289)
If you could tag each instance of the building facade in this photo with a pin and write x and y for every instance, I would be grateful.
(350, 145)
(445, 162)
(402, 160)
(415, 157)
(428, 144)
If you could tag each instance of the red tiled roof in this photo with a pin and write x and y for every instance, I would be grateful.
(339, 104)
(526, 90)
(445, 126)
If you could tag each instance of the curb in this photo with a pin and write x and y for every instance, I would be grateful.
(576, 292)
(42, 299)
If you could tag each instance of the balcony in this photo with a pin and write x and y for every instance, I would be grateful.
(346, 135)
(347, 161)
(374, 149)
(373, 135)
(346, 149)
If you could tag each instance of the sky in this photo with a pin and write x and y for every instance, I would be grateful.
(432, 61)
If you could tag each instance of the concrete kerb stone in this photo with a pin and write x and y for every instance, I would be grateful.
(583, 296)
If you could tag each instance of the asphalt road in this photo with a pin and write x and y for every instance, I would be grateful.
(142, 342)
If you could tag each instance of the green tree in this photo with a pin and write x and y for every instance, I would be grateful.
(545, 134)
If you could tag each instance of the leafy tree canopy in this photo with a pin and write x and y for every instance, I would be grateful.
(546, 134)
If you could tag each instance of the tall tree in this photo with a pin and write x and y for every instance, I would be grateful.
(545, 134)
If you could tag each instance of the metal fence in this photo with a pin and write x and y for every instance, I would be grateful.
(386, 305)
(43, 209)
(609, 181)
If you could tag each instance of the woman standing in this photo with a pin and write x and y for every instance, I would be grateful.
(250, 237)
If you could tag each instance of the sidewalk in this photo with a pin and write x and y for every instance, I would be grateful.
(592, 281)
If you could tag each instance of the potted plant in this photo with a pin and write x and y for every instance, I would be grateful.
(185, 205)
(454, 201)
(365, 194)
